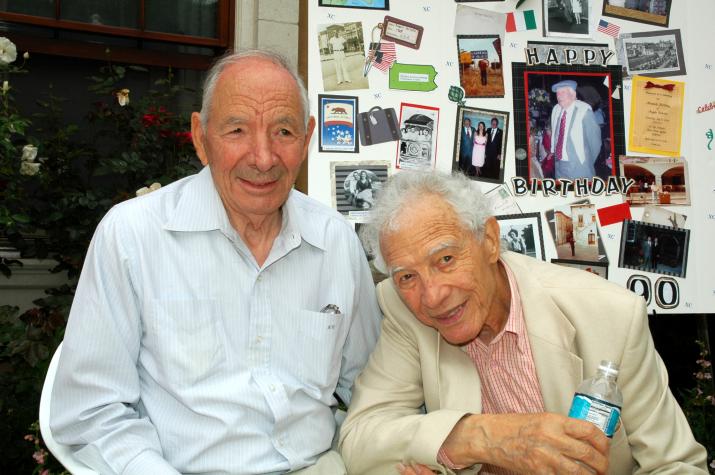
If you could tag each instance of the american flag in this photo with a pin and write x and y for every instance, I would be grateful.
(387, 49)
(610, 29)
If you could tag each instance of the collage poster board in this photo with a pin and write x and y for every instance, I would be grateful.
(404, 112)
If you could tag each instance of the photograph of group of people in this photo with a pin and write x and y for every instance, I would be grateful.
(356, 185)
(654, 248)
(480, 142)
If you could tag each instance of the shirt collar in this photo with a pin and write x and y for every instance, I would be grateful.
(200, 208)
(515, 320)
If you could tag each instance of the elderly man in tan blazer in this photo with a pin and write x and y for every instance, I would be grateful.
(481, 351)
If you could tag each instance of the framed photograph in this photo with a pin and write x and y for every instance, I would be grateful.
(659, 181)
(366, 4)
(338, 119)
(402, 32)
(417, 147)
(593, 135)
(480, 143)
(522, 233)
(652, 12)
(355, 186)
(598, 268)
(575, 232)
(342, 56)
(654, 248)
(568, 18)
(480, 65)
(652, 53)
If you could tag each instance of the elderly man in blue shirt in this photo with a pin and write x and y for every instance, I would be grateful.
(216, 317)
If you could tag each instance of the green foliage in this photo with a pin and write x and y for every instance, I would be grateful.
(57, 184)
(699, 405)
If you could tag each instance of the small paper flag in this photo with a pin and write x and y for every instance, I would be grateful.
(520, 21)
(614, 214)
(611, 29)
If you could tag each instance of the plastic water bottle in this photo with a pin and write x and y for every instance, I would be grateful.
(598, 400)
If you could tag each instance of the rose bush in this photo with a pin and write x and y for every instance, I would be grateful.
(56, 185)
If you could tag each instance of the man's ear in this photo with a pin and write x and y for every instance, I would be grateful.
(198, 137)
(492, 239)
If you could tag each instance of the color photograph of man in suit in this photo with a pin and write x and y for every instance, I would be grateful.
(492, 156)
(482, 349)
(466, 146)
(576, 135)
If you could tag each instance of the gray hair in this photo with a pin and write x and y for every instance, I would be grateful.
(406, 187)
(234, 57)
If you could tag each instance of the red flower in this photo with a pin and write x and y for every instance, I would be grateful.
(150, 119)
(183, 137)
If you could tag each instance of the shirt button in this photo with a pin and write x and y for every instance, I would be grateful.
(272, 388)
(259, 339)
(259, 278)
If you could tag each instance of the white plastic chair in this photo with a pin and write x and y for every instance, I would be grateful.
(61, 452)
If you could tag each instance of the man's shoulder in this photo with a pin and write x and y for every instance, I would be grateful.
(315, 212)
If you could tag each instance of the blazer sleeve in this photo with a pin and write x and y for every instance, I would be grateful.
(658, 432)
(386, 423)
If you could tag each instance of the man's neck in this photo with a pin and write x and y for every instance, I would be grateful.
(257, 231)
(500, 307)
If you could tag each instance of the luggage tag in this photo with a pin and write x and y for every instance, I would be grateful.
(378, 125)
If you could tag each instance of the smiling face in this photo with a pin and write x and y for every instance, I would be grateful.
(450, 281)
(565, 97)
(255, 139)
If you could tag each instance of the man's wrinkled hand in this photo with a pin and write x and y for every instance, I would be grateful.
(531, 443)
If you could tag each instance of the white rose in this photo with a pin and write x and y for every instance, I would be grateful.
(154, 186)
(26, 56)
(122, 97)
(5, 87)
(29, 152)
(29, 168)
(8, 51)
(142, 191)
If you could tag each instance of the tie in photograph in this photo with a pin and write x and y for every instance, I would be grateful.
(560, 141)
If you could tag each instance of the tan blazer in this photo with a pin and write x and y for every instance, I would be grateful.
(416, 386)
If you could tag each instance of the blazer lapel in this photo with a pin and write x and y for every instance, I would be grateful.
(551, 336)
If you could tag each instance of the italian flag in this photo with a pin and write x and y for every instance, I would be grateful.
(520, 21)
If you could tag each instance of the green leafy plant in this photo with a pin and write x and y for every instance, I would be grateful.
(699, 405)
(57, 184)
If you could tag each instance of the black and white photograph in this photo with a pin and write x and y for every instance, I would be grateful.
(568, 121)
(522, 233)
(651, 12)
(417, 147)
(342, 56)
(598, 268)
(575, 232)
(654, 248)
(652, 53)
(480, 142)
(355, 186)
(567, 18)
(659, 181)
(377, 276)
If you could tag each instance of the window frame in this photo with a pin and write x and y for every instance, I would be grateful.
(74, 48)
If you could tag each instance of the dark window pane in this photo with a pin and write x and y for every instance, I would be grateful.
(184, 17)
(102, 12)
(44, 8)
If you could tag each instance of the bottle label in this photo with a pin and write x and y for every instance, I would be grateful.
(601, 413)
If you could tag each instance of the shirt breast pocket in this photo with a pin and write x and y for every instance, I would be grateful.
(315, 342)
(184, 340)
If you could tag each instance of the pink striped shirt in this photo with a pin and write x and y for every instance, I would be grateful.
(506, 371)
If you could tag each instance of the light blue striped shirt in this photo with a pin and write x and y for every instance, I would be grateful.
(182, 352)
